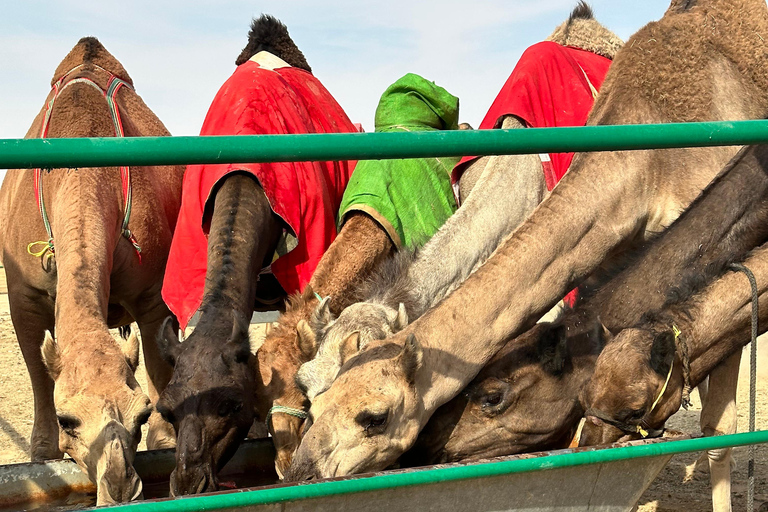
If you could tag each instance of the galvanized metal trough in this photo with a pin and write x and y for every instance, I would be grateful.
(584, 479)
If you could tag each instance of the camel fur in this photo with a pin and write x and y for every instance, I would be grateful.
(701, 61)
(87, 401)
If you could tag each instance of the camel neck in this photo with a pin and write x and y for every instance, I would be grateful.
(718, 321)
(243, 231)
(86, 220)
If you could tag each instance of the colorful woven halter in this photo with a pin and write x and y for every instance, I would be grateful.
(110, 94)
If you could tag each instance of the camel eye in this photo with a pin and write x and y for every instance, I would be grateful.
(68, 424)
(372, 423)
(493, 399)
(165, 412)
(230, 407)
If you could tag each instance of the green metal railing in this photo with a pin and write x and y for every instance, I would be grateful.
(430, 476)
(111, 151)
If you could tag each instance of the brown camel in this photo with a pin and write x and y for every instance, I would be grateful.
(527, 397)
(701, 61)
(642, 376)
(359, 248)
(87, 401)
(211, 397)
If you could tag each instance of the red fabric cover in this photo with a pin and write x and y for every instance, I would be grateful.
(547, 88)
(306, 195)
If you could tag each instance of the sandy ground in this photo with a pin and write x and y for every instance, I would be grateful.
(672, 491)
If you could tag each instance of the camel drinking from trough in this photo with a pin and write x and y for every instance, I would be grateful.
(501, 411)
(701, 61)
(504, 191)
(388, 205)
(239, 225)
(645, 372)
(87, 275)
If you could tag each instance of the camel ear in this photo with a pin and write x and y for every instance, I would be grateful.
(602, 334)
(322, 315)
(130, 349)
(238, 347)
(50, 350)
(307, 340)
(553, 349)
(349, 347)
(401, 321)
(168, 342)
(662, 352)
(411, 357)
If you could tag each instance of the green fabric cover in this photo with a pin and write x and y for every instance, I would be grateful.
(409, 198)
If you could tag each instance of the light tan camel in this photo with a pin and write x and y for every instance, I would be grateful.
(703, 60)
(87, 401)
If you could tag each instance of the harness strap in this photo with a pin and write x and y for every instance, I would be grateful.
(113, 86)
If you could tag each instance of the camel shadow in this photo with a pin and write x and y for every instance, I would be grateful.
(19, 440)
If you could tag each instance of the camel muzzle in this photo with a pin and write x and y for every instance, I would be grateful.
(117, 480)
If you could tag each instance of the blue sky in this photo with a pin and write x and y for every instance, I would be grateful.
(179, 53)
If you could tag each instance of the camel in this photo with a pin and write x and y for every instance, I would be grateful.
(259, 218)
(702, 60)
(378, 215)
(98, 268)
(514, 185)
(527, 397)
(643, 375)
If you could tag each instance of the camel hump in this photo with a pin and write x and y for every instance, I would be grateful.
(582, 11)
(271, 35)
(90, 51)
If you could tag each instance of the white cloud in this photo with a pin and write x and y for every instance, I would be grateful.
(179, 53)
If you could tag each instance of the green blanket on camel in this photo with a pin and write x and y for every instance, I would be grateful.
(409, 198)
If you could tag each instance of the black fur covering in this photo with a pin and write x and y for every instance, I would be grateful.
(269, 34)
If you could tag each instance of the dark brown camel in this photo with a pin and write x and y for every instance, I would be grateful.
(526, 398)
(642, 376)
(212, 395)
(87, 401)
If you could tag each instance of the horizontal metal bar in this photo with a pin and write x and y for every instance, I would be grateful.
(111, 151)
(423, 477)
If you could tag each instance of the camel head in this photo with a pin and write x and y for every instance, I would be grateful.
(209, 400)
(525, 399)
(100, 409)
(279, 357)
(629, 377)
(341, 338)
(352, 428)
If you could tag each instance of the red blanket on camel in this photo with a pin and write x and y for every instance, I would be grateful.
(306, 195)
(552, 85)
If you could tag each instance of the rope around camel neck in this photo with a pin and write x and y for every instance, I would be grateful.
(291, 411)
(752, 382)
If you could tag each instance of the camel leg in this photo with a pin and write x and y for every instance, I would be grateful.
(150, 316)
(718, 417)
(30, 323)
